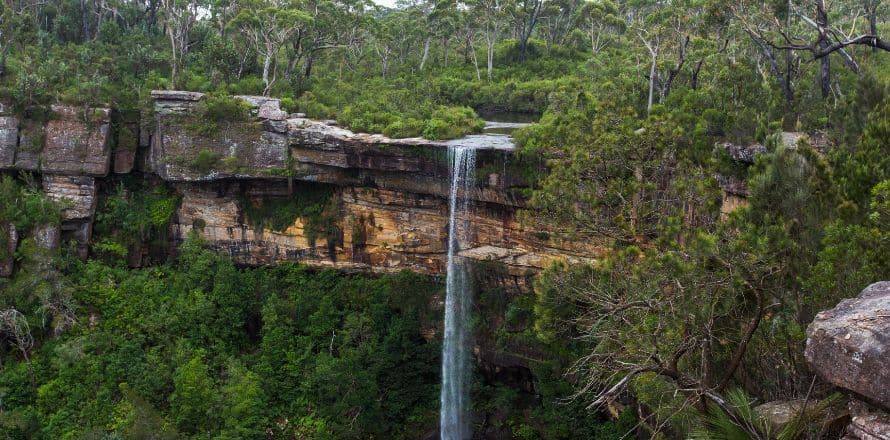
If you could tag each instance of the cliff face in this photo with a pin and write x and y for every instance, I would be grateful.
(384, 202)
(69, 147)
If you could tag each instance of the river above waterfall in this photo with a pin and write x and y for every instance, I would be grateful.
(497, 135)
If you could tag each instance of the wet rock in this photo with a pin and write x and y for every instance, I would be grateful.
(849, 345)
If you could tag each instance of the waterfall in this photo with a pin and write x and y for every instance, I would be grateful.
(454, 423)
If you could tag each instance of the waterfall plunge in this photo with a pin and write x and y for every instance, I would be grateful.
(454, 423)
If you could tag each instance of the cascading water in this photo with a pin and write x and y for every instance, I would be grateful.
(455, 398)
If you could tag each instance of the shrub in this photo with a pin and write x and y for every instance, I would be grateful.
(206, 161)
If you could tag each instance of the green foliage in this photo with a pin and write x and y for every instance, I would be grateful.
(216, 111)
(23, 206)
(130, 215)
(192, 396)
(206, 161)
(311, 203)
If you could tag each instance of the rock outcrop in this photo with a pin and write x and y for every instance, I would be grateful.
(387, 198)
(867, 424)
(69, 149)
(735, 188)
(849, 345)
(389, 194)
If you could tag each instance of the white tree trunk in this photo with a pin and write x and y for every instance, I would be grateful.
(426, 53)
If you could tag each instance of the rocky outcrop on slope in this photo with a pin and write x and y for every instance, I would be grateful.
(73, 141)
(735, 188)
(69, 149)
(849, 347)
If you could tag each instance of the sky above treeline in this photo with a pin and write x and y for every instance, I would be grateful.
(387, 3)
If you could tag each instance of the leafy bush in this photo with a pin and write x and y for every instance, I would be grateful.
(206, 161)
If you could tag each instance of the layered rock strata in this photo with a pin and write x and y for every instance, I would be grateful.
(387, 198)
(68, 149)
(389, 194)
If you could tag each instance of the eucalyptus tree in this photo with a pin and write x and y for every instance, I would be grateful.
(490, 14)
(179, 18)
(602, 22)
(807, 26)
(268, 25)
(526, 15)
(335, 24)
(559, 19)
(445, 23)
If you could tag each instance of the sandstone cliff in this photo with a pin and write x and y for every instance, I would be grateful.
(386, 199)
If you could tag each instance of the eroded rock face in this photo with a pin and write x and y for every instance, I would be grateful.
(849, 345)
(389, 195)
(379, 231)
(9, 140)
(77, 141)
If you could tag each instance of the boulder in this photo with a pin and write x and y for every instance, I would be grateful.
(874, 426)
(742, 153)
(849, 345)
(175, 101)
(48, 236)
(867, 424)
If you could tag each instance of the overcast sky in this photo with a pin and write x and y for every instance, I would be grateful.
(387, 3)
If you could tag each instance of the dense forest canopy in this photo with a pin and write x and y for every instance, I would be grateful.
(688, 321)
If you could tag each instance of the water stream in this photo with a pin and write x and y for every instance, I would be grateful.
(454, 416)
(455, 398)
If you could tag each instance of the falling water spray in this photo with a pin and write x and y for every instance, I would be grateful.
(455, 398)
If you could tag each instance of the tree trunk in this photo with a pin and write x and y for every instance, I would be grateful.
(777, 72)
(872, 11)
(174, 64)
(267, 61)
(307, 71)
(825, 64)
(825, 74)
(490, 57)
(651, 84)
(476, 65)
(445, 52)
(3, 60)
(426, 53)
